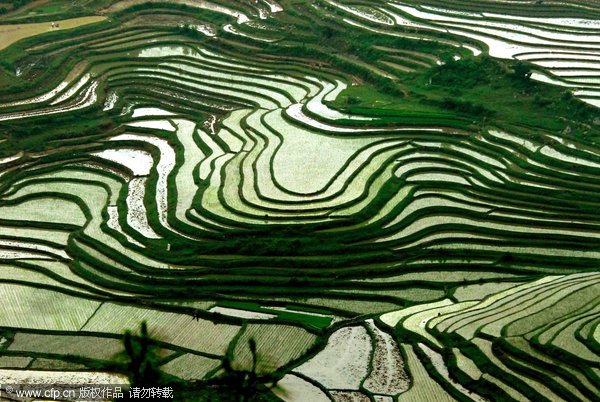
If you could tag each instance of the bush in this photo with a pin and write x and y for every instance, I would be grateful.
(353, 100)
(463, 74)
(466, 107)
(522, 71)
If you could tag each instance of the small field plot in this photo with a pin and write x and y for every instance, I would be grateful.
(12, 33)
(344, 362)
(177, 329)
(276, 345)
(33, 308)
(191, 367)
(76, 345)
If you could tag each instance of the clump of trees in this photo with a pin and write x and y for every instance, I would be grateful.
(467, 107)
(231, 384)
(463, 74)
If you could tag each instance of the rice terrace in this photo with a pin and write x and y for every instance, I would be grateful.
(301, 200)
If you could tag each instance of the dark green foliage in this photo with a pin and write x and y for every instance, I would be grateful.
(464, 73)
(327, 33)
(353, 101)
(40, 133)
(246, 384)
(15, 4)
(465, 107)
(276, 241)
(141, 369)
(522, 71)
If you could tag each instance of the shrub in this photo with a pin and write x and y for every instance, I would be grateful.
(464, 74)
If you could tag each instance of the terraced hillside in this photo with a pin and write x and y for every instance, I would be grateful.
(382, 194)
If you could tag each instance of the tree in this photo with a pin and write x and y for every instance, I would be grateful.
(507, 258)
(141, 368)
(522, 71)
(352, 100)
(247, 383)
